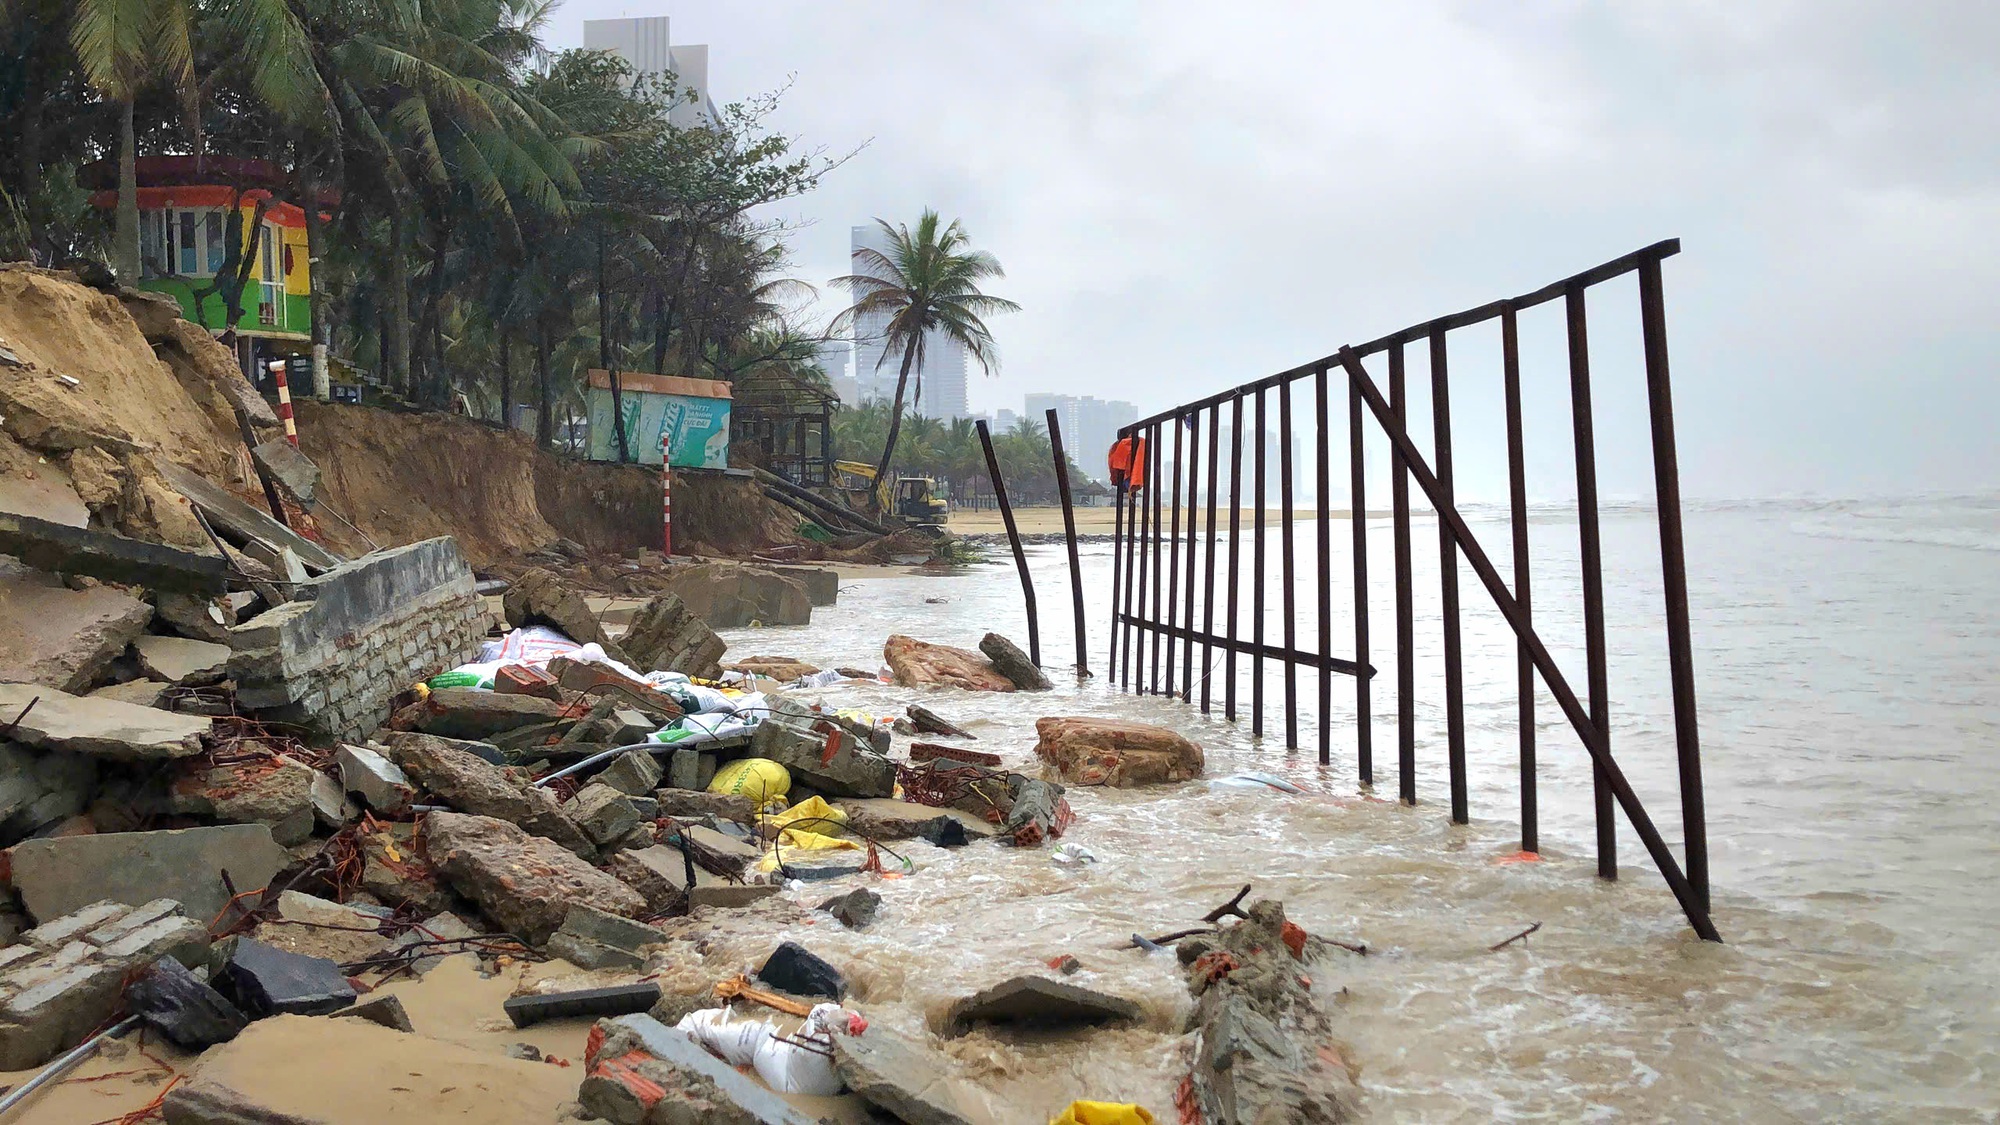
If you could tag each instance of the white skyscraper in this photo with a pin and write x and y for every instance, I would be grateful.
(645, 44)
(944, 370)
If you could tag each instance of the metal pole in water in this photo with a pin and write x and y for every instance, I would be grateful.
(1069, 537)
(1014, 538)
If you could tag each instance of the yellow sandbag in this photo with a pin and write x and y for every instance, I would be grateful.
(760, 779)
(814, 815)
(1103, 1113)
(794, 840)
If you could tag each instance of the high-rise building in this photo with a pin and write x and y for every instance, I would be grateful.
(645, 44)
(1089, 425)
(937, 388)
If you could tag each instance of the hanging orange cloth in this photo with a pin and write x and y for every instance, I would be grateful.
(1128, 463)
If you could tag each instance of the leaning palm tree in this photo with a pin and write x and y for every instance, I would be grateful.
(927, 282)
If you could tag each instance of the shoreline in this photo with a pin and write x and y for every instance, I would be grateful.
(1100, 521)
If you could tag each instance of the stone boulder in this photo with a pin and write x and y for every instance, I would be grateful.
(59, 637)
(275, 791)
(525, 883)
(783, 669)
(1086, 751)
(665, 637)
(473, 785)
(540, 598)
(730, 596)
(922, 664)
(1012, 663)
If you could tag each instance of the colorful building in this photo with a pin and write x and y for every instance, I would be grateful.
(185, 223)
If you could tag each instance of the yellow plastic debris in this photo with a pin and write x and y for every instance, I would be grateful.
(1103, 1113)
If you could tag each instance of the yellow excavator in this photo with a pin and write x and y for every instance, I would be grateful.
(915, 501)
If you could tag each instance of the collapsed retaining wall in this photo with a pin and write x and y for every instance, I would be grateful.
(332, 660)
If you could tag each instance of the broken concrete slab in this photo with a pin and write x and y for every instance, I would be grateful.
(1013, 663)
(39, 790)
(731, 595)
(635, 774)
(264, 980)
(604, 813)
(821, 584)
(55, 876)
(139, 693)
(539, 597)
(605, 682)
(912, 1084)
(378, 781)
(242, 522)
(471, 784)
(825, 757)
(730, 896)
(63, 638)
(178, 660)
(592, 939)
(59, 549)
(1037, 1002)
(383, 1009)
(885, 818)
(695, 804)
(783, 669)
(474, 714)
(281, 461)
(646, 1073)
(525, 883)
(277, 792)
(618, 1000)
(659, 873)
(928, 721)
(731, 849)
(665, 636)
(103, 728)
(196, 616)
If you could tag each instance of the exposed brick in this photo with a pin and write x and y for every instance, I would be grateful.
(59, 932)
(138, 919)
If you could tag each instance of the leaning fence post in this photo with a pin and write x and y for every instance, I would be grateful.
(1069, 536)
(1013, 537)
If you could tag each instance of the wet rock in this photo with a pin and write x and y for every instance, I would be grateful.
(1037, 1002)
(730, 596)
(101, 728)
(730, 896)
(264, 980)
(793, 968)
(379, 782)
(471, 784)
(395, 872)
(385, 1009)
(928, 721)
(592, 939)
(635, 774)
(947, 832)
(277, 792)
(921, 664)
(188, 1012)
(1090, 751)
(469, 713)
(605, 814)
(64, 981)
(666, 637)
(646, 1073)
(884, 818)
(910, 1083)
(856, 909)
(62, 638)
(783, 669)
(56, 876)
(178, 660)
(1014, 664)
(525, 883)
(824, 756)
(540, 598)
(695, 804)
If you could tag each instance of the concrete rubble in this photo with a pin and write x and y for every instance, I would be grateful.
(57, 875)
(731, 595)
(525, 883)
(63, 638)
(101, 728)
(65, 977)
(1037, 1002)
(538, 597)
(666, 637)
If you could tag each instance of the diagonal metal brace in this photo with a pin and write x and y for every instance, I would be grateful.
(1475, 556)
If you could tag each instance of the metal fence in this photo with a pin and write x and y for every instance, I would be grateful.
(1157, 597)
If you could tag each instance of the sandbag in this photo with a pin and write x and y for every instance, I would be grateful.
(1103, 1113)
(760, 779)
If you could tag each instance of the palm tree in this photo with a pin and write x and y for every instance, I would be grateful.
(927, 282)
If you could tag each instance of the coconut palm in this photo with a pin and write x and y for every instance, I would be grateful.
(928, 282)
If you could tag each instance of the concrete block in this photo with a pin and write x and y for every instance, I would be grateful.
(62, 638)
(374, 778)
(633, 774)
(59, 875)
(178, 660)
(99, 727)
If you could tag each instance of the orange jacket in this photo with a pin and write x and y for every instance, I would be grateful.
(1128, 463)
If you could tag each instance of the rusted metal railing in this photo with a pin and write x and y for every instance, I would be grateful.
(1148, 547)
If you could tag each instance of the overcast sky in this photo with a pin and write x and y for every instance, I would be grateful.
(1188, 196)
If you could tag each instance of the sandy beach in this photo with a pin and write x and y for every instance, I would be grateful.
(1092, 521)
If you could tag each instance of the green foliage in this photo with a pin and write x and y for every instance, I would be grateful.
(950, 452)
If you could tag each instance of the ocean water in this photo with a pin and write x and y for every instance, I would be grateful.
(1846, 658)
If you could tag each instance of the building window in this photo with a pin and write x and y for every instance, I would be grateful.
(190, 245)
(153, 257)
(212, 223)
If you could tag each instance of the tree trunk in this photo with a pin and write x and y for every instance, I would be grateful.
(506, 379)
(437, 380)
(315, 306)
(125, 238)
(544, 418)
(396, 282)
(883, 487)
(604, 352)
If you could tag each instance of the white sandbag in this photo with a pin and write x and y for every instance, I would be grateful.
(736, 1040)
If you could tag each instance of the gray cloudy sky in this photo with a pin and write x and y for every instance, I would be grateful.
(1187, 196)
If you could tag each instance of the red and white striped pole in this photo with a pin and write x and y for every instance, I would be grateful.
(666, 499)
(285, 403)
